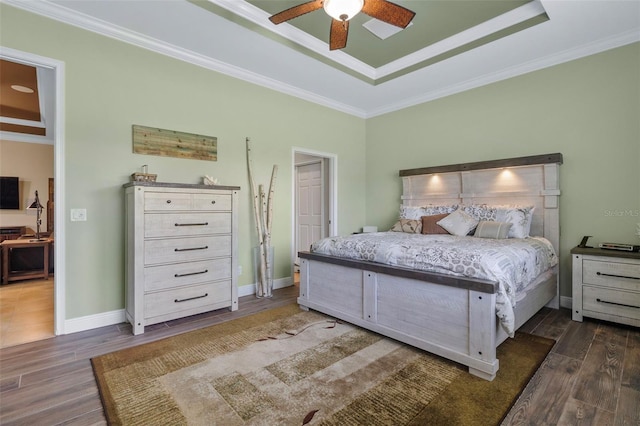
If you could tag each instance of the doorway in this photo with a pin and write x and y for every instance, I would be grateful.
(314, 200)
(50, 78)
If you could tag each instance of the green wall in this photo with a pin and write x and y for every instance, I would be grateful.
(110, 85)
(587, 109)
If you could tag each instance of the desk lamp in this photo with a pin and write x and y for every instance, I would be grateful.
(36, 205)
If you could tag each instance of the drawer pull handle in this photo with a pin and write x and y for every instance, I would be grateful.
(191, 248)
(213, 202)
(192, 224)
(617, 276)
(190, 298)
(619, 304)
(191, 273)
(168, 201)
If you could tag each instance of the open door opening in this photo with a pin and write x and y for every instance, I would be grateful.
(32, 269)
(314, 200)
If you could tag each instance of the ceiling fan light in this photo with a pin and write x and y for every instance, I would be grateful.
(342, 10)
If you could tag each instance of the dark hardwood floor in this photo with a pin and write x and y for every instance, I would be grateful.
(592, 375)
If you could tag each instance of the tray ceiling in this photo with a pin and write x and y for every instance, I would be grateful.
(439, 30)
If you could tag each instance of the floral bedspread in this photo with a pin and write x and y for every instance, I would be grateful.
(514, 263)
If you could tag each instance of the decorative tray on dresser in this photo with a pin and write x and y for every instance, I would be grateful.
(181, 250)
(606, 285)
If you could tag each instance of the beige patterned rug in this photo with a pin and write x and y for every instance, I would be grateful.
(290, 367)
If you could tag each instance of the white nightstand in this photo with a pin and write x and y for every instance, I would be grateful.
(606, 285)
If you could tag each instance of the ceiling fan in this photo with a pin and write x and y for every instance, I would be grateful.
(341, 11)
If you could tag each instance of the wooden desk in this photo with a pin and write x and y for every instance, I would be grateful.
(11, 232)
(8, 274)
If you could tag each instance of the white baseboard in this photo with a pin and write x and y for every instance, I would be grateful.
(566, 302)
(104, 319)
(89, 322)
(247, 290)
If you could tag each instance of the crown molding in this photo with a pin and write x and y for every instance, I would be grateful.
(89, 23)
(57, 12)
(545, 62)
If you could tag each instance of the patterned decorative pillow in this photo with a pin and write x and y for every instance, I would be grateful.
(481, 211)
(407, 225)
(429, 225)
(497, 230)
(519, 216)
(458, 223)
(415, 213)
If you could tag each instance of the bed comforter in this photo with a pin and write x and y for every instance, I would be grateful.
(513, 263)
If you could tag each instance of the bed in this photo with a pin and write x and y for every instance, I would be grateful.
(453, 315)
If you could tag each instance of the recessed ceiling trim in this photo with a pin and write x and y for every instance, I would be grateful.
(21, 122)
(290, 32)
(260, 17)
(506, 20)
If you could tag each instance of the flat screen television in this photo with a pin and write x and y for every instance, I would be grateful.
(9, 193)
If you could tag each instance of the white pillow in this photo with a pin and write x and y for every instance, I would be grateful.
(458, 223)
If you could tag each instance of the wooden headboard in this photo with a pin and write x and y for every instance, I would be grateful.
(533, 180)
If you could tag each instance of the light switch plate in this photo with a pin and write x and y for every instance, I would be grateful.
(78, 215)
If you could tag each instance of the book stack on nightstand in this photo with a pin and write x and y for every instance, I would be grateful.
(606, 285)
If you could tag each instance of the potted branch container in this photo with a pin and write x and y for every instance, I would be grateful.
(263, 288)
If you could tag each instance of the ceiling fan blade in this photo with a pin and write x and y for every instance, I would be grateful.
(338, 35)
(388, 12)
(295, 11)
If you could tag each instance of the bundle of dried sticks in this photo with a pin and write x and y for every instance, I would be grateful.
(263, 211)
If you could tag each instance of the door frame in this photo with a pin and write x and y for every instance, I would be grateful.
(59, 279)
(321, 161)
(332, 160)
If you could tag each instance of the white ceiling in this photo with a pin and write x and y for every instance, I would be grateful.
(190, 31)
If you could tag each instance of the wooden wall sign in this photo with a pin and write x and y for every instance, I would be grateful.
(169, 143)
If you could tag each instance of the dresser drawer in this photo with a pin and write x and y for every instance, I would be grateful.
(166, 201)
(611, 302)
(175, 201)
(211, 202)
(186, 224)
(184, 274)
(165, 303)
(611, 274)
(175, 250)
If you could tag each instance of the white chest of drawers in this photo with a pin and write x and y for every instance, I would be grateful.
(606, 285)
(181, 251)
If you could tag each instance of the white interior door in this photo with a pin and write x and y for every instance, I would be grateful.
(310, 205)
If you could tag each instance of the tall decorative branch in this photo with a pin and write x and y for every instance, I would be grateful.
(263, 211)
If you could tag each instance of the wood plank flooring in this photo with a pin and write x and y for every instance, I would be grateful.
(26, 311)
(591, 377)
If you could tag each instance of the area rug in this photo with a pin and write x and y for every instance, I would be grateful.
(286, 366)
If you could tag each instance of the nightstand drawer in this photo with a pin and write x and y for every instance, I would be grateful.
(611, 302)
(606, 273)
